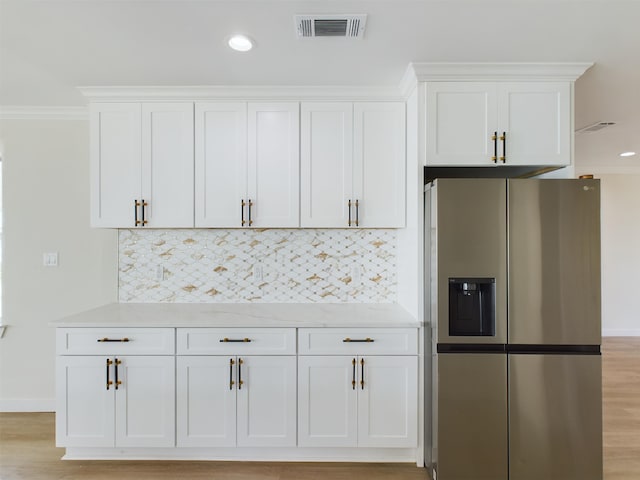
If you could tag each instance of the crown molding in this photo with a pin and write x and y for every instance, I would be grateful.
(448, 71)
(8, 112)
(240, 93)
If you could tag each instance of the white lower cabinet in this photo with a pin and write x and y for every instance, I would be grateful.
(226, 393)
(107, 401)
(364, 401)
(85, 409)
(226, 401)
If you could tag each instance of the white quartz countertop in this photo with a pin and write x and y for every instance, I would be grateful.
(242, 315)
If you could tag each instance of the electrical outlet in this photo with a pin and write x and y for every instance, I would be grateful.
(257, 272)
(159, 273)
(356, 274)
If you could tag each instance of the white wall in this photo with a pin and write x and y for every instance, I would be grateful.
(46, 209)
(620, 254)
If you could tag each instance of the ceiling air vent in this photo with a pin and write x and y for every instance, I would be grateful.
(594, 127)
(350, 26)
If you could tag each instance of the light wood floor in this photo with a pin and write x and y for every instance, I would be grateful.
(621, 408)
(27, 449)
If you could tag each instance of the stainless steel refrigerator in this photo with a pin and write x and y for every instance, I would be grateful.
(513, 298)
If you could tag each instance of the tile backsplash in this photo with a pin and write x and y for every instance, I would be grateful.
(271, 265)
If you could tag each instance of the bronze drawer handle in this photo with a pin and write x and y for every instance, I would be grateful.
(236, 340)
(361, 340)
(105, 339)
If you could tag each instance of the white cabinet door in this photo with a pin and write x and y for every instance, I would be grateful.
(367, 401)
(461, 119)
(115, 149)
(266, 401)
(388, 401)
(206, 401)
(326, 164)
(141, 151)
(536, 120)
(274, 164)
(379, 164)
(221, 164)
(145, 402)
(327, 401)
(167, 164)
(85, 410)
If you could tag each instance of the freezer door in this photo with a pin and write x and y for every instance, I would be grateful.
(554, 262)
(471, 440)
(471, 237)
(555, 417)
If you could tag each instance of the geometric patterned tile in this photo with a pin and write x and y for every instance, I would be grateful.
(257, 265)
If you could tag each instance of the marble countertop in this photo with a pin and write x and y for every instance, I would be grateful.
(242, 315)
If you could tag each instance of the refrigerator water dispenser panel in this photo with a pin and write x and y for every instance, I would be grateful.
(472, 307)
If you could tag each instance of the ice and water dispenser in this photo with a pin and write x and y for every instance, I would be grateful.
(472, 307)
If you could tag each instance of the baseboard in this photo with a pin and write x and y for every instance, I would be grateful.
(28, 405)
(275, 454)
(621, 332)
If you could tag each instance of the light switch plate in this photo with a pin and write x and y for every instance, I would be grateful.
(50, 259)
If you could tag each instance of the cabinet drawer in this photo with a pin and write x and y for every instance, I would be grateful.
(357, 341)
(236, 341)
(115, 341)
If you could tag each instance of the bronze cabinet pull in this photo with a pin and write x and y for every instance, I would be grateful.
(250, 205)
(144, 204)
(136, 204)
(242, 205)
(117, 382)
(353, 377)
(494, 137)
(240, 382)
(358, 340)
(109, 382)
(236, 340)
(503, 138)
(106, 339)
(357, 212)
(349, 208)
(362, 373)
(231, 382)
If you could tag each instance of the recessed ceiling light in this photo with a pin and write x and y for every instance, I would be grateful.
(627, 154)
(241, 43)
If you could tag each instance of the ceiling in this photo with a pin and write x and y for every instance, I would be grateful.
(50, 47)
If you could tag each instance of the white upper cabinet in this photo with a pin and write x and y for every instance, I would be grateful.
(535, 119)
(353, 164)
(247, 165)
(238, 164)
(115, 152)
(498, 123)
(167, 164)
(221, 164)
(274, 164)
(141, 165)
(326, 164)
(379, 139)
